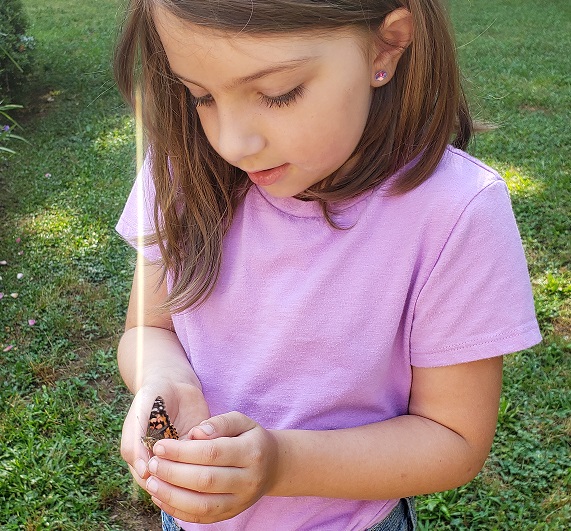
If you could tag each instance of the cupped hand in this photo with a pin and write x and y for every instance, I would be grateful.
(185, 406)
(228, 463)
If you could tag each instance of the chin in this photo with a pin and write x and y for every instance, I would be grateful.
(279, 193)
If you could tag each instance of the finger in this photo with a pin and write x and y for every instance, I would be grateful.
(142, 482)
(226, 425)
(226, 451)
(199, 478)
(132, 449)
(187, 505)
(134, 428)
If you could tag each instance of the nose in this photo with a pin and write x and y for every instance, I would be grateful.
(239, 136)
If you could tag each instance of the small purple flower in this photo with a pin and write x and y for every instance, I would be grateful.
(6, 128)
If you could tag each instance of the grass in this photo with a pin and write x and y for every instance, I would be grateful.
(61, 195)
(519, 75)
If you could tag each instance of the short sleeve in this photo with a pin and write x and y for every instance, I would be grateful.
(137, 217)
(477, 302)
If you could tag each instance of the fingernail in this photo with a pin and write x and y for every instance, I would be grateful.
(208, 429)
(152, 485)
(153, 466)
(159, 449)
(140, 467)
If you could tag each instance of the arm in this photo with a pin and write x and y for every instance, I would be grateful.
(142, 341)
(442, 443)
(152, 362)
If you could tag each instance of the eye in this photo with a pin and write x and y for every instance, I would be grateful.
(284, 100)
(202, 101)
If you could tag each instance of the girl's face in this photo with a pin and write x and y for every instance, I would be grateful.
(289, 110)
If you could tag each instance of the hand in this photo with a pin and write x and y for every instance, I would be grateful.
(186, 408)
(228, 464)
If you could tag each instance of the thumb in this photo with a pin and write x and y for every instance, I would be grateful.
(226, 425)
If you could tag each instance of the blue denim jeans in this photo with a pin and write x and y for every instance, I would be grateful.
(168, 522)
(401, 518)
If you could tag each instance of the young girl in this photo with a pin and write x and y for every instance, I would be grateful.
(328, 287)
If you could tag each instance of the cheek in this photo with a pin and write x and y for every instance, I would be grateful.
(337, 126)
(209, 125)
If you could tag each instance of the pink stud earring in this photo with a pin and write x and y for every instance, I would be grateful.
(380, 75)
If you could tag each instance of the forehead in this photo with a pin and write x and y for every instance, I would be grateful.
(188, 44)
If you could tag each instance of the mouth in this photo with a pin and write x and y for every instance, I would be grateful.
(269, 176)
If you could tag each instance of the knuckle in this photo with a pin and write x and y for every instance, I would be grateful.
(225, 423)
(255, 484)
(257, 456)
(166, 472)
(167, 496)
(205, 481)
(203, 509)
(211, 453)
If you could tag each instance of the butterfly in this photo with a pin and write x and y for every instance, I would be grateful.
(159, 426)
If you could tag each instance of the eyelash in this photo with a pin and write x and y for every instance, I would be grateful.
(284, 100)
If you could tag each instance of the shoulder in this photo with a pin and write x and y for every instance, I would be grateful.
(459, 178)
(458, 184)
(460, 203)
(455, 160)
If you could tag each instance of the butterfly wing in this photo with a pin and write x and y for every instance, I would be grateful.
(159, 426)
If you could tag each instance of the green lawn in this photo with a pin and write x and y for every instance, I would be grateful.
(61, 195)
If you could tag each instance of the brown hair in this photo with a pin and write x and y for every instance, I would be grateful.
(413, 117)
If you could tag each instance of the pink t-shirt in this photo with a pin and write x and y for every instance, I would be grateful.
(310, 327)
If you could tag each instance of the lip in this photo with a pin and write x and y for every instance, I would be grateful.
(269, 176)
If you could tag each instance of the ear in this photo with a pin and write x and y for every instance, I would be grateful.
(392, 39)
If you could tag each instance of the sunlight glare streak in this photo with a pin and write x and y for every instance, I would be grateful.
(140, 231)
(139, 276)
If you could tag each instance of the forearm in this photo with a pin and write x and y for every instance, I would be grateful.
(442, 444)
(150, 352)
(400, 457)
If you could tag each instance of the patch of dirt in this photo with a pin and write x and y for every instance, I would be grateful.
(135, 515)
(534, 108)
(562, 327)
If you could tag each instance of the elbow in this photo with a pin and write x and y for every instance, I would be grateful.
(472, 464)
(472, 471)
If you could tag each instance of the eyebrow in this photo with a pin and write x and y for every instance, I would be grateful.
(273, 69)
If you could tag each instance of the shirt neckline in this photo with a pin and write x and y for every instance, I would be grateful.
(310, 209)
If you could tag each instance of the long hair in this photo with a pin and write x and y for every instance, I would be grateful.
(411, 120)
